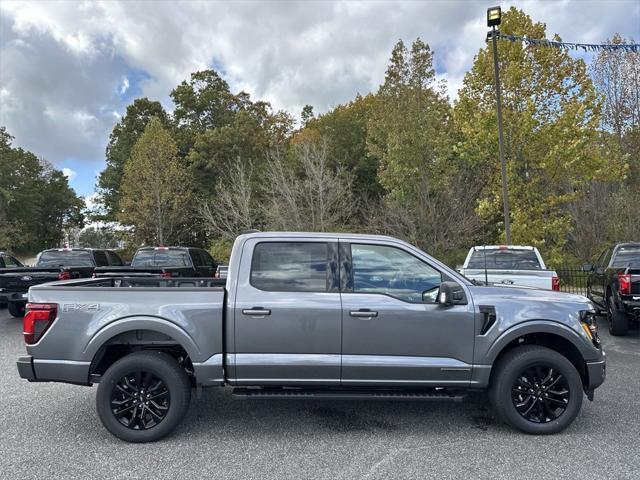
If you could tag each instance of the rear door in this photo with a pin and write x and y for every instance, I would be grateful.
(288, 312)
(394, 332)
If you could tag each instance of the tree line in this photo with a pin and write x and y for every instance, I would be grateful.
(404, 160)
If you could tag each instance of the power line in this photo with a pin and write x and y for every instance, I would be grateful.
(587, 47)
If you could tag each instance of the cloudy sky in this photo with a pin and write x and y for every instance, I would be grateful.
(69, 69)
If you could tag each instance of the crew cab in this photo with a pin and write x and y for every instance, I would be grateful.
(614, 285)
(509, 265)
(52, 264)
(165, 262)
(312, 315)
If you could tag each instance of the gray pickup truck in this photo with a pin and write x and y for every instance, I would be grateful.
(310, 315)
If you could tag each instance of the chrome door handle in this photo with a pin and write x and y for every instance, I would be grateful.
(363, 313)
(258, 312)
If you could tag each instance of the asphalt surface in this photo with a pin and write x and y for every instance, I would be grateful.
(52, 431)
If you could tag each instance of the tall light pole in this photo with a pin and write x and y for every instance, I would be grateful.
(494, 16)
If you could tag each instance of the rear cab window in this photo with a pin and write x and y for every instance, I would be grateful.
(65, 258)
(290, 267)
(507, 259)
(161, 258)
(626, 256)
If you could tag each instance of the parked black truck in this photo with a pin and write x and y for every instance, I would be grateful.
(52, 264)
(165, 262)
(614, 285)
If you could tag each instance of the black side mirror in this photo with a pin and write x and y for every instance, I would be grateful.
(587, 267)
(451, 294)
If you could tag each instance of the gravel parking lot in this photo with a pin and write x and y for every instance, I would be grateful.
(52, 431)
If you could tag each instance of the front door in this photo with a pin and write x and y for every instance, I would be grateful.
(394, 332)
(288, 313)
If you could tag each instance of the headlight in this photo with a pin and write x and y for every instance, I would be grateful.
(590, 326)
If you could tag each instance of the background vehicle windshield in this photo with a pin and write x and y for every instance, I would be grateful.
(65, 258)
(161, 258)
(627, 256)
(505, 260)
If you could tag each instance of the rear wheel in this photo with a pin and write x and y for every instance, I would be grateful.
(142, 397)
(618, 321)
(536, 390)
(16, 309)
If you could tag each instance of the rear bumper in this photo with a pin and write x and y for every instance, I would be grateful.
(596, 372)
(66, 371)
(6, 297)
(25, 368)
(630, 306)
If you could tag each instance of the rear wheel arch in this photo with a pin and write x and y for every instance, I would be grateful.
(125, 336)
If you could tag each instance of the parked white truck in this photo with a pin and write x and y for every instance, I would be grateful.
(509, 265)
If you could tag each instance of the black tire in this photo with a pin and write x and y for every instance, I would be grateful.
(174, 396)
(16, 309)
(545, 417)
(618, 321)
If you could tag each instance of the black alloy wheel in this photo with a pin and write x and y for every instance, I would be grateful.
(140, 400)
(143, 396)
(540, 394)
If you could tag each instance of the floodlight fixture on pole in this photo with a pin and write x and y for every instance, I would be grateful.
(494, 18)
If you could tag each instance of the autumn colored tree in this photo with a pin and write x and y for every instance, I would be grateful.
(551, 116)
(155, 188)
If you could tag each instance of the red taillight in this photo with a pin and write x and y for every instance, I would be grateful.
(64, 276)
(625, 283)
(37, 320)
(165, 274)
(555, 284)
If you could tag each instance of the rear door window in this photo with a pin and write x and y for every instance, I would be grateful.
(9, 261)
(290, 267)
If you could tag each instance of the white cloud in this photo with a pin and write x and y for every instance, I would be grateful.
(69, 173)
(64, 66)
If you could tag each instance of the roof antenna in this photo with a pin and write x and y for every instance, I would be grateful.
(486, 275)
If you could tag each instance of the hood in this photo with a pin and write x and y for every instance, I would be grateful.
(504, 293)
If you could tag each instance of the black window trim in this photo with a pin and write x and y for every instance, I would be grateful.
(332, 284)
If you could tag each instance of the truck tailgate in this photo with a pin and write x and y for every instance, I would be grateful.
(526, 278)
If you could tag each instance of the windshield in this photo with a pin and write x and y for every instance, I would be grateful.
(161, 258)
(627, 256)
(504, 260)
(65, 258)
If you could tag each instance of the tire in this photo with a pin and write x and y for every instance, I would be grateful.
(552, 413)
(16, 309)
(123, 384)
(618, 321)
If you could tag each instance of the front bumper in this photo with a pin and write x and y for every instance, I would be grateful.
(6, 297)
(596, 373)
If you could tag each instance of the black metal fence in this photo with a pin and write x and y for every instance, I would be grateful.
(572, 279)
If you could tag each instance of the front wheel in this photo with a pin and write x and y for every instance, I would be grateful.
(16, 309)
(618, 321)
(536, 390)
(143, 396)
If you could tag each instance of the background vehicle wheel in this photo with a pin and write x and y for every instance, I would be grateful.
(618, 321)
(16, 309)
(142, 397)
(536, 390)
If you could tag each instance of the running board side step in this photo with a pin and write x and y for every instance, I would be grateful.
(241, 393)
